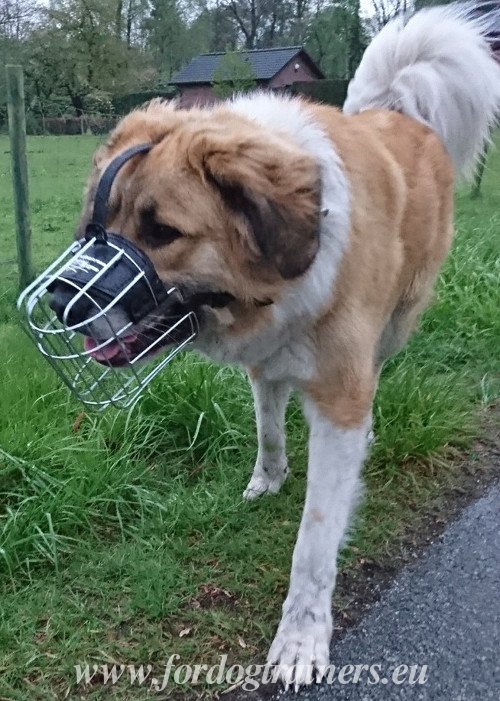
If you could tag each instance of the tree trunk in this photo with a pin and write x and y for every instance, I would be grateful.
(130, 19)
(253, 26)
(118, 19)
(76, 102)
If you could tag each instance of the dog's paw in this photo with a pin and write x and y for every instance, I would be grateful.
(301, 649)
(263, 482)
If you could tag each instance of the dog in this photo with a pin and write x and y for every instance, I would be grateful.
(324, 230)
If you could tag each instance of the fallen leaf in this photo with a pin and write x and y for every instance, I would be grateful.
(78, 421)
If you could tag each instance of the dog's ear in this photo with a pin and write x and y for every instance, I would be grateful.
(275, 187)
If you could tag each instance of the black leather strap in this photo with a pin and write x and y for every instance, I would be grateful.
(104, 187)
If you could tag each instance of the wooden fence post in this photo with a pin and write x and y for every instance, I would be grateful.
(17, 132)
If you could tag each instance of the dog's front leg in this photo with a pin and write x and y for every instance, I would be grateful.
(271, 468)
(335, 459)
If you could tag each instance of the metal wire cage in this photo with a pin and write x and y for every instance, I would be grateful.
(97, 385)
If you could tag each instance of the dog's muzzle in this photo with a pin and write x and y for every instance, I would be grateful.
(99, 310)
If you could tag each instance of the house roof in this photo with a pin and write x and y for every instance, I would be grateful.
(265, 64)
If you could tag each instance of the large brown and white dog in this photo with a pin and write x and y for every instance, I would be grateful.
(327, 229)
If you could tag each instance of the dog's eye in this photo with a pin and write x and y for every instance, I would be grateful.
(154, 233)
(163, 234)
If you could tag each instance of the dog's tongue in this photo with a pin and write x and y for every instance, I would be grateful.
(106, 352)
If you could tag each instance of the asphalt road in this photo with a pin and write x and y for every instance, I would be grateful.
(443, 612)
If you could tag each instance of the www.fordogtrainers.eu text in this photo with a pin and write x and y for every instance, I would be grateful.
(249, 677)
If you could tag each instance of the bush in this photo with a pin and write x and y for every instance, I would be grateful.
(93, 124)
(125, 103)
(33, 124)
(98, 101)
(332, 92)
(233, 74)
(99, 124)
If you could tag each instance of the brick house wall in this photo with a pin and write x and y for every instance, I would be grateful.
(296, 70)
(192, 95)
(289, 74)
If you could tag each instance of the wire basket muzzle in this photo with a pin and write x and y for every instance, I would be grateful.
(90, 305)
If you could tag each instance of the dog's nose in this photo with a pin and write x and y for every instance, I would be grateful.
(61, 299)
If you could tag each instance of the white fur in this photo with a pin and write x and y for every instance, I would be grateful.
(335, 460)
(279, 112)
(284, 350)
(271, 468)
(436, 67)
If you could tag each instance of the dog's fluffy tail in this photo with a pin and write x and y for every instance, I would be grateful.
(437, 67)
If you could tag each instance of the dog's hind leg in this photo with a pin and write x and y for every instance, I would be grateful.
(405, 316)
(397, 331)
(271, 468)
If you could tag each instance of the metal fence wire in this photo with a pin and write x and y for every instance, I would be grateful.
(58, 166)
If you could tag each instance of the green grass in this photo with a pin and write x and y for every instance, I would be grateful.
(58, 168)
(117, 534)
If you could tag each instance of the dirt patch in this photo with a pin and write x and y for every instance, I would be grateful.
(210, 596)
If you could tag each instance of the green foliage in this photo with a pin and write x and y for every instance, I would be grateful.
(331, 92)
(124, 103)
(233, 75)
(166, 35)
(336, 39)
(419, 4)
(98, 101)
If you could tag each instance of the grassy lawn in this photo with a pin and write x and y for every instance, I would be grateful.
(118, 533)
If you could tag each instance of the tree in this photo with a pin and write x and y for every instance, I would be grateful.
(136, 11)
(248, 18)
(166, 34)
(269, 22)
(385, 10)
(233, 75)
(81, 52)
(419, 4)
(17, 18)
(76, 53)
(337, 38)
(357, 40)
(51, 69)
(212, 29)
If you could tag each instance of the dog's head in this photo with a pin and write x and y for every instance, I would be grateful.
(220, 206)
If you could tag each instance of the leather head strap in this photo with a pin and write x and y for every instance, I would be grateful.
(100, 213)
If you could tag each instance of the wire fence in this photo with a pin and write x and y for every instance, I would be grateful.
(87, 123)
(59, 161)
(57, 171)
